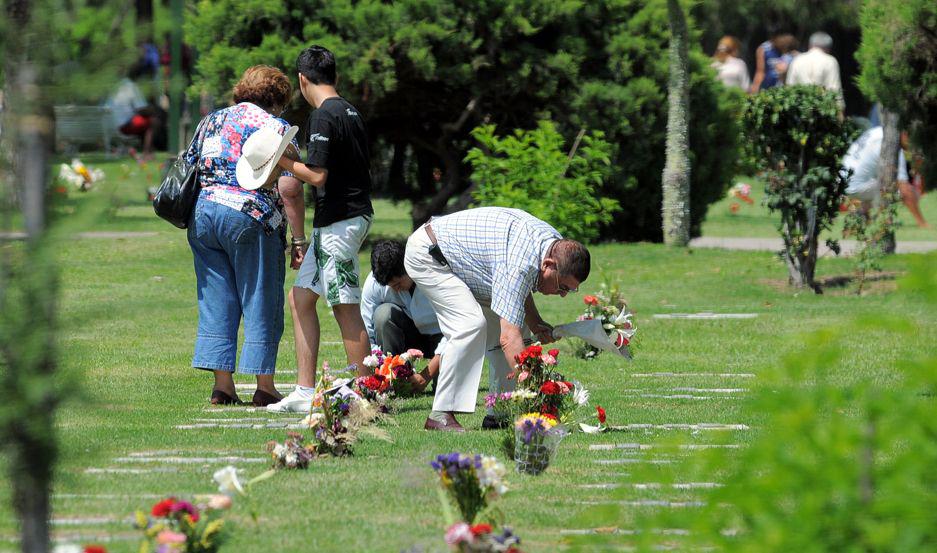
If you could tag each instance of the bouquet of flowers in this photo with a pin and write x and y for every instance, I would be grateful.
(471, 482)
(179, 526)
(481, 538)
(537, 437)
(396, 370)
(343, 417)
(540, 389)
(79, 175)
(292, 453)
(611, 311)
(741, 191)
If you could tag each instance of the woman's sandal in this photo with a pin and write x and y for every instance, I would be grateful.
(220, 398)
(263, 399)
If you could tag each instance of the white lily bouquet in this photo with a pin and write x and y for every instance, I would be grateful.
(605, 325)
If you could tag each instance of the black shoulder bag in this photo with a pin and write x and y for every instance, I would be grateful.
(179, 190)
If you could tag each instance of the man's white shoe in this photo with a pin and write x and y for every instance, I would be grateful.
(296, 402)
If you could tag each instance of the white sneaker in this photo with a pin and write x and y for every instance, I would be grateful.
(296, 402)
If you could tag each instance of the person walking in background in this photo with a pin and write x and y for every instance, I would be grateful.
(817, 66)
(237, 234)
(772, 59)
(863, 159)
(338, 166)
(731, 69)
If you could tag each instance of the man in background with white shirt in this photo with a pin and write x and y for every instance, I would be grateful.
(863, 159)
(817, 66)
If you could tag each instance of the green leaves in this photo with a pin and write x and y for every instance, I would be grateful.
(796, 137)
(530, 170)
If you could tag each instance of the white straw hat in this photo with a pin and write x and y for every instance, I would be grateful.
(259, 156)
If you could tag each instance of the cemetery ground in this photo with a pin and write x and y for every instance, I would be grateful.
(137, 425)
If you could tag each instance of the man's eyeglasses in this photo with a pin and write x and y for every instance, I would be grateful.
(562, 287)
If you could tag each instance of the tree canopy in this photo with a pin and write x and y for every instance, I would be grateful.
(424, 73)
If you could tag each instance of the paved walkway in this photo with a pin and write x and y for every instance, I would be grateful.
(776, 244)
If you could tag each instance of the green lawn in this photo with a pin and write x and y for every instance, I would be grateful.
(757, 222)
(128, 318)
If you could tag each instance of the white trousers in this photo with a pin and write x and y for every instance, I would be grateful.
(472, 331)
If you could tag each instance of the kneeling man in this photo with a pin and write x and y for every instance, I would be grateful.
(479, 268)
(396, 313)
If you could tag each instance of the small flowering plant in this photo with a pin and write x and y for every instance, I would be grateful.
(471, 482)
(537, 436)
(617, 322)
(179, 526)
(292, 453)
(481, 538)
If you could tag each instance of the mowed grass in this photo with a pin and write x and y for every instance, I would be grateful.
(128, 320)
(757, 222)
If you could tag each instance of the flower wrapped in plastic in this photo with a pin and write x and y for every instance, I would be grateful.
(536, 439)
(606, 325)
(540, 389)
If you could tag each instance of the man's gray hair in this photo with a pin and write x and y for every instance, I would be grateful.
(821, 40)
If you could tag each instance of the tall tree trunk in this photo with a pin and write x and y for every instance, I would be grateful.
(676, 177)
(27, 289)
(888, 171)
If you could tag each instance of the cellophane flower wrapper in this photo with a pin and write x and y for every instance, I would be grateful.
(606, 325)
(534, 451)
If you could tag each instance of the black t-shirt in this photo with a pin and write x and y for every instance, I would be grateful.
(338, 142)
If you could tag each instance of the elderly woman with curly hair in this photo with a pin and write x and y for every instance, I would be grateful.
(238, 236)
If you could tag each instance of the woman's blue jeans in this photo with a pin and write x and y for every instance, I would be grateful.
(240, 271)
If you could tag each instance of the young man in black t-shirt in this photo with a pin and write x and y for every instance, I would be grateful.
(338, 165)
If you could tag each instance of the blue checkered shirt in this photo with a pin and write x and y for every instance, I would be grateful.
(497, 252)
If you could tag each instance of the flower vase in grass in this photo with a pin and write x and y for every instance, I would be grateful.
(481, 538)
(536, 439)
(179, 526)
(540, 389)
(471, 482)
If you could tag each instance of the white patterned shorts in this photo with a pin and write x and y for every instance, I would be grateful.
(331, 268)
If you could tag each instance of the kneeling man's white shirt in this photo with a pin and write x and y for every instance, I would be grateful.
(415, 305)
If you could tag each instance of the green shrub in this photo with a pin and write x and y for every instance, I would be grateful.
(796, 136)
(530, 170)
(898, 59)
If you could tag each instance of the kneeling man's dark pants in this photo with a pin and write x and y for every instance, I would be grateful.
(395, 332)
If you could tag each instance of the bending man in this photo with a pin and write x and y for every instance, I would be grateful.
(479, 269)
